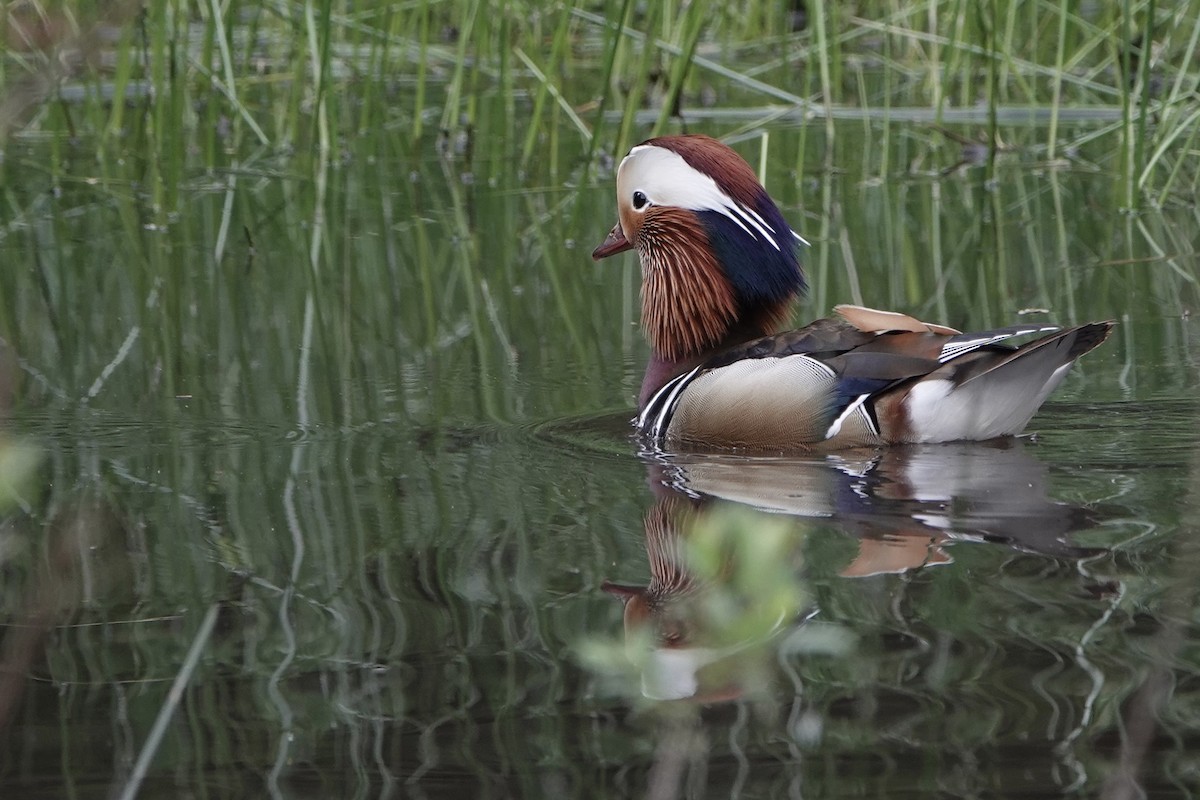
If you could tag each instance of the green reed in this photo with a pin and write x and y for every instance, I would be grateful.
(246, 70)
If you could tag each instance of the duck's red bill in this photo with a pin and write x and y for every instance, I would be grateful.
(614, 243)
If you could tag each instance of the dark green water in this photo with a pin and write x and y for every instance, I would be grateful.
(378, 500)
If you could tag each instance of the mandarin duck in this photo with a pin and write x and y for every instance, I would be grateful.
(720, 273)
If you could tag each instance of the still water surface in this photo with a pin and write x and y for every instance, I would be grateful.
(386, 532)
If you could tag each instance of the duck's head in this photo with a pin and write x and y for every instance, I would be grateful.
(719, 262)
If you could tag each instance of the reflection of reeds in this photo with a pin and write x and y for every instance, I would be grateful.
(1146, 708)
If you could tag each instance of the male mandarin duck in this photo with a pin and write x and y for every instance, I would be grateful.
(720, 272)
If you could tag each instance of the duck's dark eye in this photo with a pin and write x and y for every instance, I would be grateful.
(639, 201)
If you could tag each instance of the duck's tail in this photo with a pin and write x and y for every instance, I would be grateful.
(990, 393)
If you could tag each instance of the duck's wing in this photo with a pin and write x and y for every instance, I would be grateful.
(838, 383)
(824, 336)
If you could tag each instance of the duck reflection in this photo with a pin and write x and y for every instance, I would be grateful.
(904, 505)
(723, 583)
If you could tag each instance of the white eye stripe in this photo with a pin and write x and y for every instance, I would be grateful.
(667, 179)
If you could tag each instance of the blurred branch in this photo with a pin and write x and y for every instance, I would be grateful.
(58, 47)
(89, 530)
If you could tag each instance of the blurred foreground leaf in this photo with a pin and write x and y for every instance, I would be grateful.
(18, 462)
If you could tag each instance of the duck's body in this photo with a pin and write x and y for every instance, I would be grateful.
(720, 272)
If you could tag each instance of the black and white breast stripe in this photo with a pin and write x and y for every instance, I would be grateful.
(656, 416)
(858, 405)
